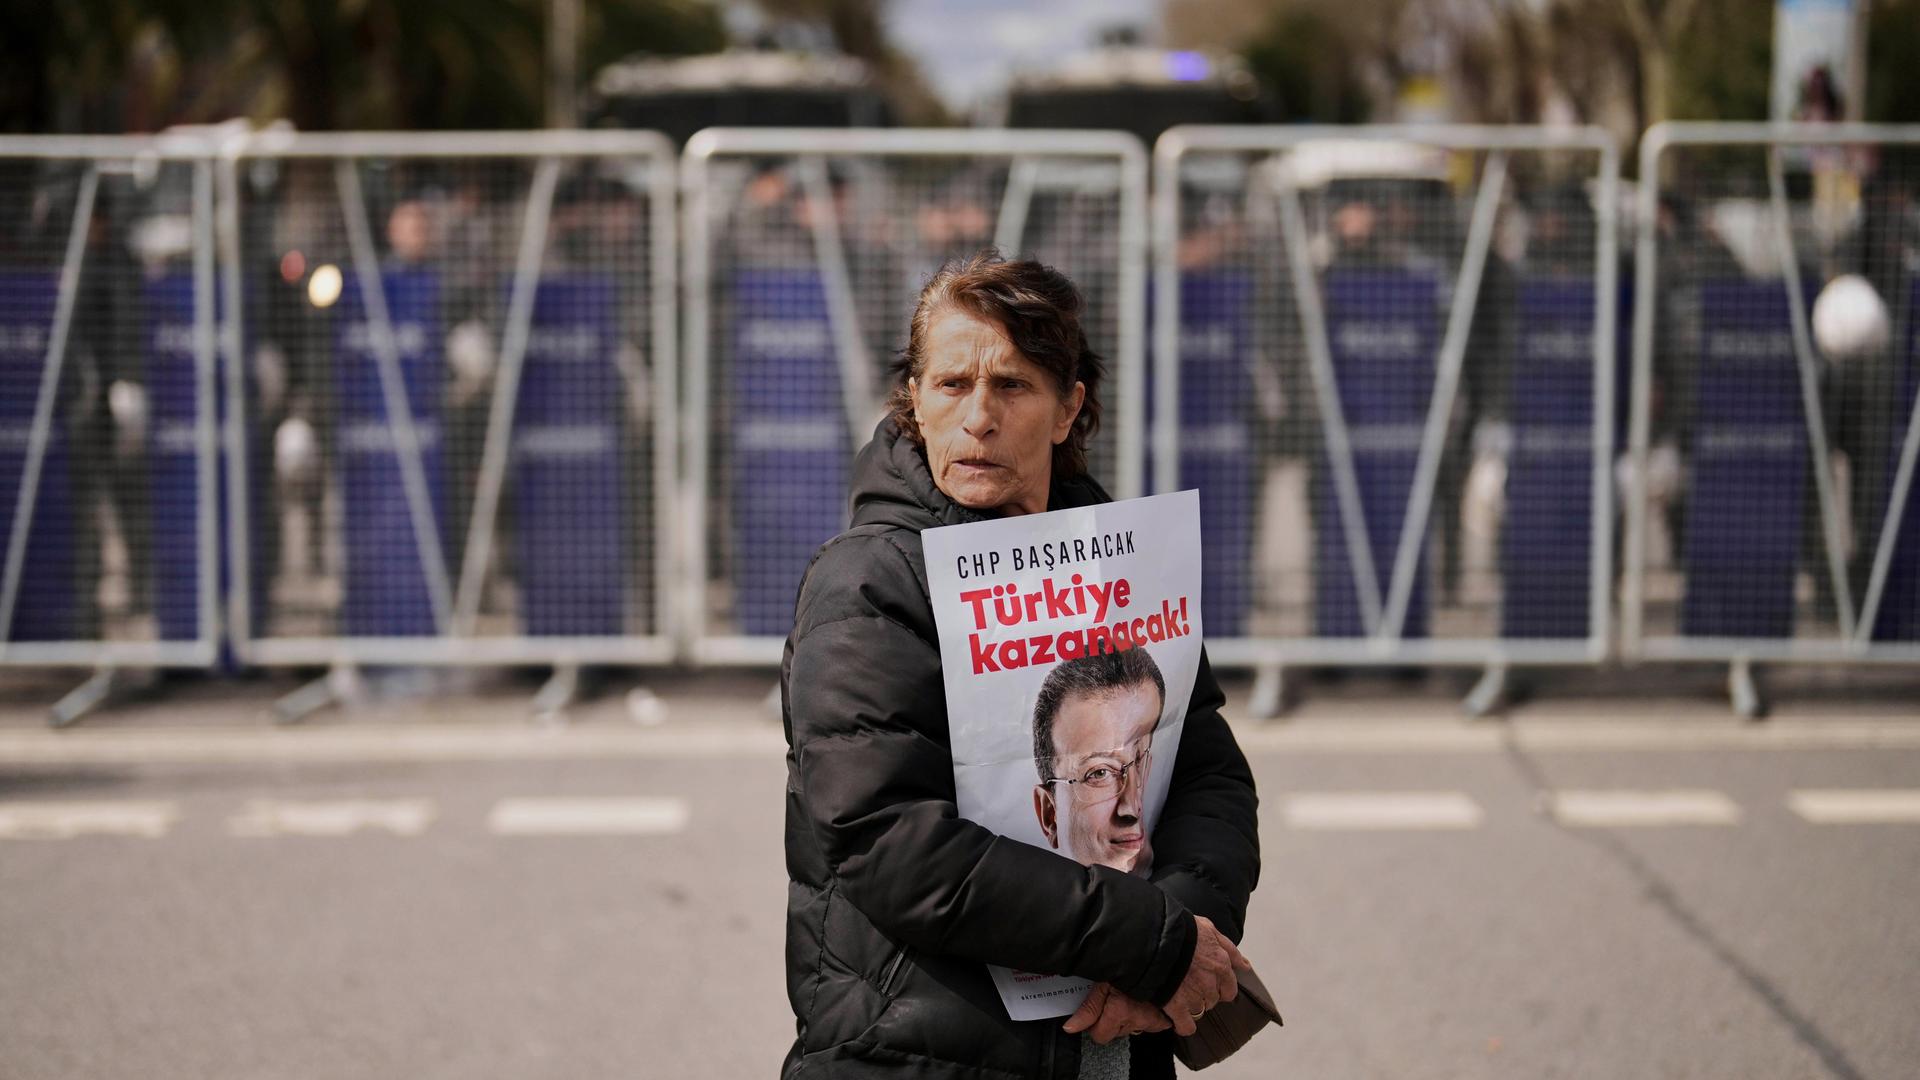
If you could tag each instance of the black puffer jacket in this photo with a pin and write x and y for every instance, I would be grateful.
(896, 904)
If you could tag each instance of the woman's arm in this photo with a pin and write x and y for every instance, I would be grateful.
(1206, 846)
(866, 708)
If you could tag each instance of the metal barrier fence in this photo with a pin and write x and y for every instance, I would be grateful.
(1774, 428)
(109, 554)
(453, 362)
(805, 251)
(439, 375)
(1385, 356)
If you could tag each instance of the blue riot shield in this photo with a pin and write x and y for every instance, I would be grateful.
(386, 590)
(1546, 547)
(173, 468)
(46, 606)
(1216, 438)
(1383, 326)
(1899, 615)
(172, 456)
(569, 495)
(1749, 466)
(785, 439)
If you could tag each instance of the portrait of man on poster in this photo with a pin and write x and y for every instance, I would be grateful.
(1093, 725)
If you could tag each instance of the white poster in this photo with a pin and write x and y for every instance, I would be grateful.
(1816, 59)
(1070, 641)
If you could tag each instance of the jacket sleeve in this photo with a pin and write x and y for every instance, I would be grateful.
(866, 707)
(1206, 845)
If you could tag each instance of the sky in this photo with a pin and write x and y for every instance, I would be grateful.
(970, 47)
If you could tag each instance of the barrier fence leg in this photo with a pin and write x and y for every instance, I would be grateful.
(100, 688)
(1269, 697)
(1745, 694)
(560, 691)
(339, 686)
(1489, 695)
(645, 708)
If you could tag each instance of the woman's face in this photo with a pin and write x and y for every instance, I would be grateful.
(990, 416)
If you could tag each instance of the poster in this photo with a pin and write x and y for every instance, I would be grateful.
(1070, 641)
(1817, 61)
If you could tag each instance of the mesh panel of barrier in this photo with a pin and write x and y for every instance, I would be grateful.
(107, 440)
(813, 255)
(455, 393)
(1389, 373)
(1779, 416)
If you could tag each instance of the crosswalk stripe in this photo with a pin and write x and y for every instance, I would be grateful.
(1381, 810)
(283, 817)
(1325, 810)
(588, 817)
(756, 740)
(1859, 806)
(64, 820)
(1603, 809)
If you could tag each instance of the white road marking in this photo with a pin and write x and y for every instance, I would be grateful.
(638, 816)
(1382, 810)
(729, 733)
(1599, 735)
(588, 817)
(64, 820)
(428, 743)
(282, 817)
(1860, 806)
(1609, 809)
(724, 735)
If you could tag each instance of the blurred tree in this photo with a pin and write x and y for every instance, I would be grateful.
(1658, 27)
(63, 66)
(1893, 79)
(114, 65)
(1623, 64)
(377, 63)
(1728, 70)
(1305, 57)
(1612, 62)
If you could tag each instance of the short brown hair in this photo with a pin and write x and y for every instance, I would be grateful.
(1038, 309)
(1106, 672)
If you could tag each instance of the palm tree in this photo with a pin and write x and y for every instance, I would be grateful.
(323, 64)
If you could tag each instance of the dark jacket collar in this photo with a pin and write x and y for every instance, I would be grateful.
(892, 485)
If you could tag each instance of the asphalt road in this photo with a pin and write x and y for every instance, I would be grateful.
(442, 890)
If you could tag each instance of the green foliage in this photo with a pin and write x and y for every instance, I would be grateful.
(110, 65)
(1311, 67)
(59, 62)
(1723, 62)
(1893, 61)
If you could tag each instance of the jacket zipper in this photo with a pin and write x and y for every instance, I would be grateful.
(899, 960)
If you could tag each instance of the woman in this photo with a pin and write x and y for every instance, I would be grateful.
(896, 904)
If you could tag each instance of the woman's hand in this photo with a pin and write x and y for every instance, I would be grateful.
(1108, 1014)
(1210, 978)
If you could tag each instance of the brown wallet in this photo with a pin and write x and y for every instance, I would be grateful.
(1229, 1025)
